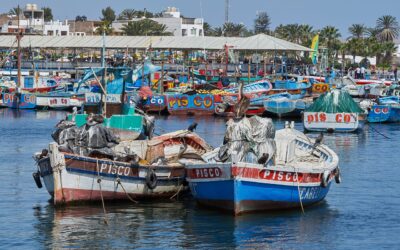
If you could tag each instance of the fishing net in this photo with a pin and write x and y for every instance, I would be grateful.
(336, 101)
(248, 139)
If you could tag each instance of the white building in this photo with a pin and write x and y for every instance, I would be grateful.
(171, 18)
(32, 22)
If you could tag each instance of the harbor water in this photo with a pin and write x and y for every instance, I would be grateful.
(360, 213)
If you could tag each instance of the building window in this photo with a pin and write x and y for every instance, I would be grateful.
(50, 33)
(200, 32)
(184, 32)
(193, 31)
(63, 33)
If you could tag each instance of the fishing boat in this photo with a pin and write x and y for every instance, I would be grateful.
(107, 168)
(253, 89)
(335, 111)
(59, 100)
(283, 104)
(387, 110)
(252, 173)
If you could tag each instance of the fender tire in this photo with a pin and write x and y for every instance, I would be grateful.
(151, 179)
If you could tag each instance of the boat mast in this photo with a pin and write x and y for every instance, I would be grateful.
(103, 82)
(19, 36)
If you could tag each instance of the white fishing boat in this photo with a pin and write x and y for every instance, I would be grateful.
(109, 169)
(335, 111)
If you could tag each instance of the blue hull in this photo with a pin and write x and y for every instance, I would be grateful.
(384, 113)
(240, 196)
(25, 101)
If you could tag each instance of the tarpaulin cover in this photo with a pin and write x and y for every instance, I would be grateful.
(336, 101)
(249, 139)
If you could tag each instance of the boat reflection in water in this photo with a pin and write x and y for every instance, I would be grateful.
(168, 225)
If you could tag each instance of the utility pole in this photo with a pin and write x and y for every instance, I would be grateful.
(226, 11)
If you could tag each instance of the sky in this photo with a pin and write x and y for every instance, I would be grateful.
(317, 13)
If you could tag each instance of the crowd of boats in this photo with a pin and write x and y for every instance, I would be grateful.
(106, 149)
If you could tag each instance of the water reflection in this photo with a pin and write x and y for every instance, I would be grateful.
(179, 225)
(368, 162)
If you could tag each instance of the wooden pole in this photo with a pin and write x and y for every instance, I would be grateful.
(265, 67)
(161, 82)
(248, 72)
(19, 36)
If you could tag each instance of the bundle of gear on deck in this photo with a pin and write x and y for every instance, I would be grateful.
(249, 140)
(91, 139)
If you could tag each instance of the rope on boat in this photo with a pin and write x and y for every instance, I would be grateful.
(375, 130)
(298, 190)
(177, 193)
(101, 193)
(129, 197)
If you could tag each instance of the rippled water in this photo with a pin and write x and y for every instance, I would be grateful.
(362, 212)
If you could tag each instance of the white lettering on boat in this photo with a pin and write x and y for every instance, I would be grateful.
(310, 193)
(203, 173)
(113, 169)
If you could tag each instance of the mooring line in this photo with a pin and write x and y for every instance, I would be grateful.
(101, 193)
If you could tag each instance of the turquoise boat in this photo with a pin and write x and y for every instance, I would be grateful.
(282, 104)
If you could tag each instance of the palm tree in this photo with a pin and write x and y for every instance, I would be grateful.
(372, 33)
(306, 34)
(389, 48)
(218, 31)
(388, 28)
(357, 30)
(146, 27)
(232, 29)
(208, 30)
(127, 14)
(329, 36)
(354, 46)
(105, 27)
(290, 32)
(293, 33)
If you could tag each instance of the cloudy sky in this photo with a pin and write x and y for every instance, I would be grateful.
(318, 13)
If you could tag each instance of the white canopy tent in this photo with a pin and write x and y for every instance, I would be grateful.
(258, 42)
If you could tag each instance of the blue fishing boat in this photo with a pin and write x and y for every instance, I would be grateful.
(384, 113)
(297, 89)
(387, 110)
(293, 171)
(282, 104)
(19, 100)
(262, 86)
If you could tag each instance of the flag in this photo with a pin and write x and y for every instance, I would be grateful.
(314, 47)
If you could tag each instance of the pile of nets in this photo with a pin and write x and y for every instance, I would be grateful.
(91, 139)
(248, 139)
(336, 101)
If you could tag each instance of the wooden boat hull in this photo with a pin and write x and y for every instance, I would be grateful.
(383, 114)
(72, 179)
(59, 101)
(198, 104)
(331, 122)
(155, 103)
(243, 188)
(24, 101)
(279, 107)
